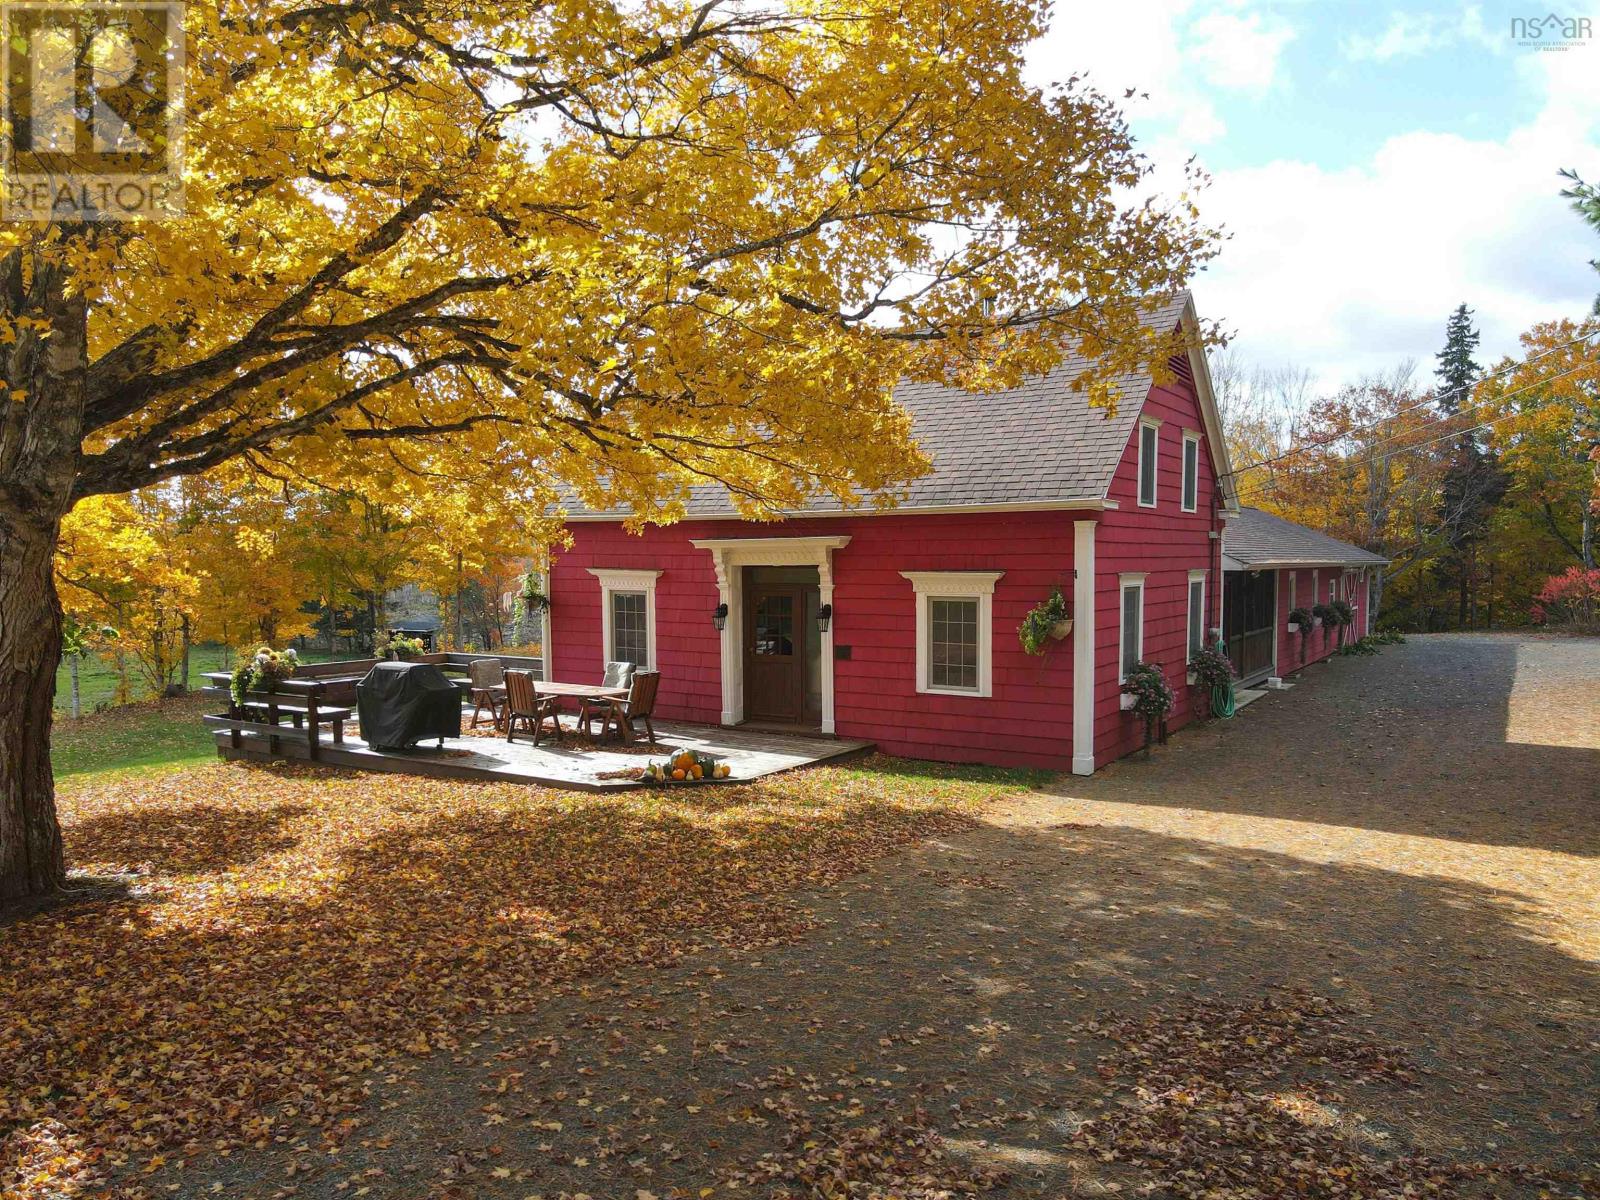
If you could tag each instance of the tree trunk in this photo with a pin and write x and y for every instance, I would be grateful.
(30, 646)
(41, 434)
(77, 693)
(188, 645)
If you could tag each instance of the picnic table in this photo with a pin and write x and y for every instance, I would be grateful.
(580, 691)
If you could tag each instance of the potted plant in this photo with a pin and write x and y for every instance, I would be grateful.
(1210, 668)
(1152, 697)
(1049, 620)
(1299, 620)
(261, 671)
(403, 648)
(1320, 613)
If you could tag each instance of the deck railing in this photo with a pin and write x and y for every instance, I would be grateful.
(320, 694)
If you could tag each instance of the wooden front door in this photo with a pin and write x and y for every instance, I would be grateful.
(1249, 599)
(775, 631)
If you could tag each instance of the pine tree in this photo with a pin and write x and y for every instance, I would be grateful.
(1475, 482)
(1457, 372)
(1585, 199)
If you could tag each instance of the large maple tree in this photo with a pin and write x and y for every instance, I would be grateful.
(623, 247)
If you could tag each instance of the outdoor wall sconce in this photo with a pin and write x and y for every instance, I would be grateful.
(824, 615)
(719, 617)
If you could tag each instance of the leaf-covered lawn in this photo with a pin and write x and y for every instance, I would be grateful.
(280, 933)
(152, 733)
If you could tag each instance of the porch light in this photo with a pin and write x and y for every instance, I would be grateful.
(719, 617)
(824, 615)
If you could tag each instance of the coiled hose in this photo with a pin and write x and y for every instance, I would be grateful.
(1222, 699)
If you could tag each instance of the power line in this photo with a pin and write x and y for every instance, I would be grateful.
(1356, 429)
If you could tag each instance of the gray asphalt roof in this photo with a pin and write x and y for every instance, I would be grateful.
(1259, 539)
(1036, 443)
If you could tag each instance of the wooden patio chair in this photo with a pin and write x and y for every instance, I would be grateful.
(523, 703)
(488, 690)
(618, 675)
(638, 706)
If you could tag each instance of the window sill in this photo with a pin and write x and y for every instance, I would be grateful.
(970, 695)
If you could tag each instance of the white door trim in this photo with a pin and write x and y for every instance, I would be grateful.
(730, 556)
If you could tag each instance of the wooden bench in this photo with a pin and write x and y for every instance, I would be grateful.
(263, 712)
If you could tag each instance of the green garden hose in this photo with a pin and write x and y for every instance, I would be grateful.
(1222, 700)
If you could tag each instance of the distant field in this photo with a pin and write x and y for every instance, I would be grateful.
(97, 677)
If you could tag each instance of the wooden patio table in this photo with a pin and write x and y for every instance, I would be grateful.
(581, 691)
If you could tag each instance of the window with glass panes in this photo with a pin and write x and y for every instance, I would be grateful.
(953, 642)
(630, 629)
(1132, 625)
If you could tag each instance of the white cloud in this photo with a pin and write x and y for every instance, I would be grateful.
(1239, 50)
(1154, 46)
(1411, 34)
(1348, 271)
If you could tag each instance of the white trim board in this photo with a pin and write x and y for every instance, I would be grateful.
(956, 585)
(729, 556)
(627, 579)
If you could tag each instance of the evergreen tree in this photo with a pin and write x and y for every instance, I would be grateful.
(1458, 371)
(1585, 199)
(1474, 483)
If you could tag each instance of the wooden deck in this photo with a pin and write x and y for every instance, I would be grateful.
(750, 753)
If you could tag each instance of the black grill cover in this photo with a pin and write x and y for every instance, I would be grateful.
(400, 703)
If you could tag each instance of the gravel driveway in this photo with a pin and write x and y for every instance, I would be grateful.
(1344, 945)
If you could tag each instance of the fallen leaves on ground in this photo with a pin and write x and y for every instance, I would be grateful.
(288, 931)
(1249, 1101)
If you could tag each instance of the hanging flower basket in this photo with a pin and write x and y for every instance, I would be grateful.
(1061, 629)
(1049, 620)
(1127, 701)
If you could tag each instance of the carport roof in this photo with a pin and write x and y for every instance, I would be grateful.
(1255, 539)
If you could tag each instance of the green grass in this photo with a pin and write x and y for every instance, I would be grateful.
(154, 733)
(97, 676)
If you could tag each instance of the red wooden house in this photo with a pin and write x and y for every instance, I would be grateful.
(900, 627)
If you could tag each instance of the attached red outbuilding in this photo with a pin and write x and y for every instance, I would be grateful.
(900, 627)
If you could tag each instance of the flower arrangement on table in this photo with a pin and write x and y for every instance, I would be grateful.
(262, 671)
(685, 766)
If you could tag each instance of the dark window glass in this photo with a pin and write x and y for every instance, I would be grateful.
(774, 622)
(1147, 464)
(953, 645)
(1197, 616)
(630, 629)
(1191, 472)
(1132, 615)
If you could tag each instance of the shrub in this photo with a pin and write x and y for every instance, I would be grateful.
(1152, 696)
(1571, 598)
(1211, 668)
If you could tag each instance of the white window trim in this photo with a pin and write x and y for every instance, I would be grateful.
(1190, 438)
(1188, 593)
(956, 585)
(1155, 469)
(1294, 587)
(619, 579)
(1124, 582)
(1316, 586)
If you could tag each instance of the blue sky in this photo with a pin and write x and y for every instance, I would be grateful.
(1375, 163)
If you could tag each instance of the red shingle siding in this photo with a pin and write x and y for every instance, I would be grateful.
(1028, 719)
(1026, 722)
(1297, 650)
(1165, 543)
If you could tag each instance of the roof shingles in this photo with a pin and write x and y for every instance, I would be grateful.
(1037, 443)
(1258, 539)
